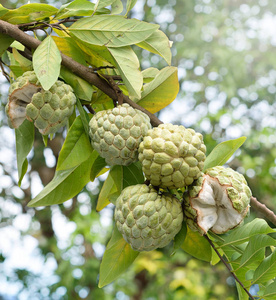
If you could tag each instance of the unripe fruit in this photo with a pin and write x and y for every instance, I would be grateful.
(116, 133)
(147, 220)
(172, 156)
(49, 110)
(217, 201)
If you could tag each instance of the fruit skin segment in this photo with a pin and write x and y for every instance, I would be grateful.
(217, 201)
(147, 220)
(49, 110)
(172, 156)
(116, 133)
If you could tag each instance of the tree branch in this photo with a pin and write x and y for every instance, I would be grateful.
(77, 68)
(260, 207)
(227, 266)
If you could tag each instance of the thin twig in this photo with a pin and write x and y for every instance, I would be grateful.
(262, 208)
(227, 266)
(90, 109)
(3, 70)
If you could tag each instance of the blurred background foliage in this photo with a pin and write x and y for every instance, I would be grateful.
(225, 52)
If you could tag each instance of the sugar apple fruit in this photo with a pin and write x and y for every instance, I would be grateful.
(217, 201)
(49, 110)
(116, 133)
(172, 156)
(147, 220)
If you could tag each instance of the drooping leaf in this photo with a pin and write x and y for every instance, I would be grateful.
(161, 91)
(111, 30)
(6, 40)
(102, 3)
(117, 258)
(255, 249)
(158, 43)
(149, 74)
(65, 185)
(76, 148)
(116, 172)
(24, 136)
(245, 232)
(98, 167)
(266, 270)
(69, 47)
(84, 118)
(222, 152)
(133, 174)
(128, 65)
(109, 188)
(130, 4)
(46, 62)
(82, 88)
(180, 237)
(29, 13)
(197, 246)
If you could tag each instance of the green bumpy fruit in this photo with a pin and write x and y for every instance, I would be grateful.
(116, 133)
(146, 219)
(49, 110)
(217, 201)
(172, 156)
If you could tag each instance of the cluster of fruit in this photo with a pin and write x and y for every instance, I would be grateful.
(148, 215)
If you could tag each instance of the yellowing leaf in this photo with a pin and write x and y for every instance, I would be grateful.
(161, 91)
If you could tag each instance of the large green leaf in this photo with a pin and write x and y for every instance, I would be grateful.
(46, 62)
(180, 237)
(29, 13)
(65, 185)
(117, 258)
(161, 91)
(24, 136)
(158, 43)
(270, 292)
(133, 174)
(117, 7)
(111, 30)
(266, 270)
(255, 249)
(76, 148)
(244, 233)
(6, 40)
(128, 65)
(197, 246)
(222, 152)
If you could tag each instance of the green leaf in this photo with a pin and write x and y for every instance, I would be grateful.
(29, 13)
(24, 136)
(149, 74)
(97, 167)
(3, 10)
(244, 233)
(6, 40)
(128, 65)
(65, 185)
(197, 246)
(255, 249)
(46, 62)
(69, 47)
(84, 117)
(270, 292)
(222, 152)
(75, 8)
(116, 172)
(130, 4)
(180, 237)
(109, 188)
(266, 270)
(111, 30)
(76, 148)
(158, 43)
(133, 174)
(102, 3)
(82, 88)
(117, 7)
(117, 258)
(161, 91)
